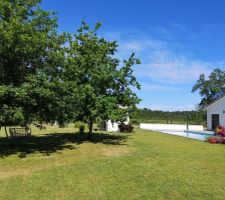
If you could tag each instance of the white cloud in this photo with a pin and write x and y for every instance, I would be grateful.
(141, 44)
(162, 61)
(167, 67)
(131, 45)
(156, 87)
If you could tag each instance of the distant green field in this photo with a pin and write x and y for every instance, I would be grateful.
(61, 164)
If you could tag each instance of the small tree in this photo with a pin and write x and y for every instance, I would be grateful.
(212, 88)
(105, 84)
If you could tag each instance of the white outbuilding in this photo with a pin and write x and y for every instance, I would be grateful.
(111, 126)
(216, 113)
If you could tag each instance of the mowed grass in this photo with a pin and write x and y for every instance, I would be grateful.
(61, 164)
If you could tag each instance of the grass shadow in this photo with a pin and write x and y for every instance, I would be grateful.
(54, 142)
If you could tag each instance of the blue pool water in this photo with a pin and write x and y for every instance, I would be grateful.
(197, 135)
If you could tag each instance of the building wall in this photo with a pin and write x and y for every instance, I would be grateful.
(114, 126)
(216, 108)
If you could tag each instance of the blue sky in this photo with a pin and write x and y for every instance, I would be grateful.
(175, 40)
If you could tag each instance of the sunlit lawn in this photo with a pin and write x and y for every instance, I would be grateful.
(61, 164)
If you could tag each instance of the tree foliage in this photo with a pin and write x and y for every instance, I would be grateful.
(46, 76)
(31, 56)
(210, 88)
(158, 116)
(28, 42)
(103, 81)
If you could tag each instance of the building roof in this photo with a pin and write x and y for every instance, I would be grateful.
(214, 102)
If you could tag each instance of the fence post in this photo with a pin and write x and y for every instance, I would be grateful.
(188, 116)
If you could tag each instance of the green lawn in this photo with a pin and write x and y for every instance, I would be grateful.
(58, 164)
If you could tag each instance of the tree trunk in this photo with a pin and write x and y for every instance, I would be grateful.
(6, 132)
(90, 128)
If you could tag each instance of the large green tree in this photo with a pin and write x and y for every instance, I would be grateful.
(48, 77)
(31, 60)
(210, 88)
(105, 84)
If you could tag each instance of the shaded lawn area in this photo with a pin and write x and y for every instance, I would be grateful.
(60, 164)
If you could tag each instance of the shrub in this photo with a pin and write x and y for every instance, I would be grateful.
(220, 130)
(216, 139)
(81, 126)
(125, 128)
(212, 140)
(218, 136)
(135, 121)
(219, 139)
(78, 124)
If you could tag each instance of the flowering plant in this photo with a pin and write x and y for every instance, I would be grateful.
(220, 130)
(211, 140)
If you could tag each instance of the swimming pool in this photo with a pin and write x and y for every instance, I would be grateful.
(197, 135)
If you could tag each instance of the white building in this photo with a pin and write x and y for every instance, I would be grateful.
(111, 126)
(216, 113)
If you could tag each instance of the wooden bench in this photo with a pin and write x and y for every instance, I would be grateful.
(18, 132)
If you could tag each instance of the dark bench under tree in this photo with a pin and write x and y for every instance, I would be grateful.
(18, 132)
